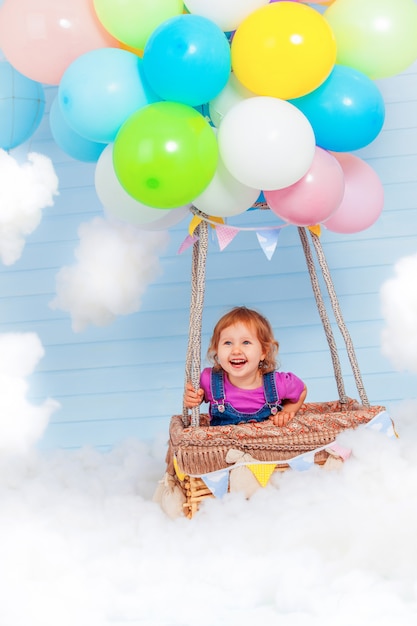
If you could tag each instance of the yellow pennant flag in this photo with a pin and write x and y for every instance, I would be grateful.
(193, 224)
(178, 472)
(214, 218)
(316, 230)
(262, 472)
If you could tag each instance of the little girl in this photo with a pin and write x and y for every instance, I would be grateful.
(243, 385)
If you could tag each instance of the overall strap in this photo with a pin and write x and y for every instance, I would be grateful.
(271, 392)
(217, 388)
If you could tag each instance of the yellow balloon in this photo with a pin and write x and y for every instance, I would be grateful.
(284, 50)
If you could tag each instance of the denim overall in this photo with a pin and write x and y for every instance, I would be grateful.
(223, 413)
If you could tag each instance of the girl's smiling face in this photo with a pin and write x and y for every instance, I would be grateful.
(239, 352)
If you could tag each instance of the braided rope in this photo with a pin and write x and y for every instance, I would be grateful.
(339, 319)
(198, 279)
(323, 315)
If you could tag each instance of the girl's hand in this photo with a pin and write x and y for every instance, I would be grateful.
(289, 410)
(192, 398)
(282, 417)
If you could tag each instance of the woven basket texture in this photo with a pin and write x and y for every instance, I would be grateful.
(202, 449)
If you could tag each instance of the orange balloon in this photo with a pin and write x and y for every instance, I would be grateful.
(284, 50)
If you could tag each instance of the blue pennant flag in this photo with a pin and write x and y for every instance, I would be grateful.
(382, 423)
(217, 482)
(268, 240)
(302, 462)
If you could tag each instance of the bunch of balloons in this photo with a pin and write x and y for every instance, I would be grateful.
(213, 103)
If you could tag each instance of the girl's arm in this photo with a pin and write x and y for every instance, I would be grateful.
(289, 410)
(192, 398)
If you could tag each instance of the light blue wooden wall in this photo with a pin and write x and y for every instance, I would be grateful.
(126, 379)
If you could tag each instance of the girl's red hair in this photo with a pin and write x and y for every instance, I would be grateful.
(257, 323)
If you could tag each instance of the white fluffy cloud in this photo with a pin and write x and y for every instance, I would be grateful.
(21, 423)
(25, 189)
(399, 309)
(115, 262)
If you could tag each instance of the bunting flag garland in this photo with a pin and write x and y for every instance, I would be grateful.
(267, 235)
(262, 472)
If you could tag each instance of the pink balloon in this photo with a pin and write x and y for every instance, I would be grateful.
(41, 38)
(315, 196)
(363, 200)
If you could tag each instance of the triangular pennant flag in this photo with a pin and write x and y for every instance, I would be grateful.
(178, 472)
(217, 482)
(194, 223)
(188, 241)
(338, 450)
(268, 241)
(225, 234)
(215, 218)
(316, 230)
(302, 462)
(262, 471)
(383, 423)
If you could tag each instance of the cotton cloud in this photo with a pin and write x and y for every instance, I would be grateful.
(115, 262)
(399, 308)
(21, 423)
(25, 190)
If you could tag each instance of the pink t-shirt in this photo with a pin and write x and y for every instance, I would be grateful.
(289, 387)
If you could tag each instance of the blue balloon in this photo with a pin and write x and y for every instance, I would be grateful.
(22, 104)
(68, 140)
(101, 89)
(346, 112)
(187, 59)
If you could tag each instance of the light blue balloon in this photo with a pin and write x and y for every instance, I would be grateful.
(100, 90)
(22, 104)
(187, 59)
(68, 140)
(346, 112)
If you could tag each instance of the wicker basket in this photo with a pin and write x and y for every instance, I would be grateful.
(196, 451)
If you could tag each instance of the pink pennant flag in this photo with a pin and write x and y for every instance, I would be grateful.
(339, 450)
(268, 240)
(225, 234)
(188, 241)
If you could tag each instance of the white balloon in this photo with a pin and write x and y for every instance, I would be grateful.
(225, 196)
(266, 143)
(170, 218)
(227, 14)
(231, 94)
(118, 203)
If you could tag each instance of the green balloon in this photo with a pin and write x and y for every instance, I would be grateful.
(165, 154)
(133, 21)
(376, 37)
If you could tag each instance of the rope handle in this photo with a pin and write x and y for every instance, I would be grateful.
(198, 280)
(337, 313)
